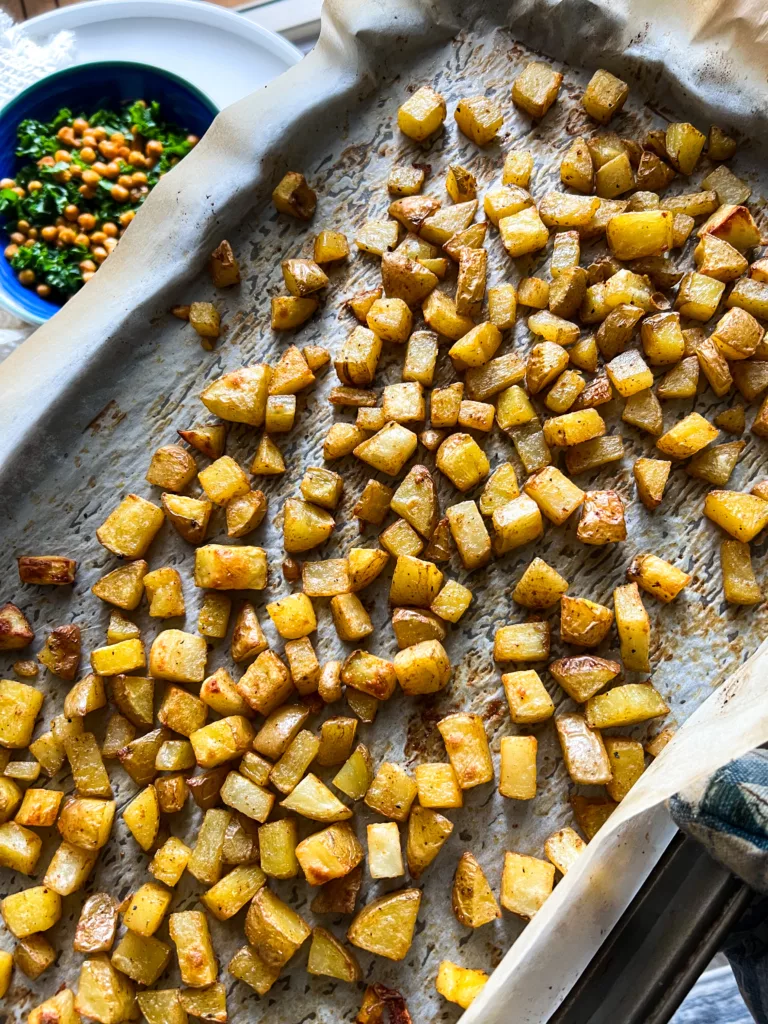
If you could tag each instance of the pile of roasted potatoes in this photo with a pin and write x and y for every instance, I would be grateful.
(276, 795)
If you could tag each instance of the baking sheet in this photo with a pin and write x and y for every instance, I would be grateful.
(86, 400)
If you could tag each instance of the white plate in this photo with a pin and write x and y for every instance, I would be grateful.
(224, 54)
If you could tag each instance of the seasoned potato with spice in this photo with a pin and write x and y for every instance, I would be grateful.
(422, 114)
(386, 925)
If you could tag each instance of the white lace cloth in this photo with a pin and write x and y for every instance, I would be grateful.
(22, 62)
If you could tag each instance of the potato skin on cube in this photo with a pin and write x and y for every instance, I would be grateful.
(386, 925)
(467, 747)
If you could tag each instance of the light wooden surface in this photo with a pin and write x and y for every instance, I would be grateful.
(20, 10)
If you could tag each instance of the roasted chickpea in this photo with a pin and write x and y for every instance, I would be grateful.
(65, 134)
(138, 178)
(127, 217)
(89, 139)
(125, 180)
(136, 159)
(91, 177)
(98, 237)
(80, 126)
(100, 167)
(193, 140)
(22, 225)
(109, 229)
(119, 193)
(67, 236)
(46, 161)
(87, 265)
(71, 212)
(88, 154)
(124, 152)
(34, 186)
(86, 191)
(27, 278)
(33, 233)
(112, 170)
(63, 176)
(82, 239)
(108, 150)
(109, 244)
(7, 183)
(99, 134)
(87, 221)
(63, 156)
(87, 275)
(76, 172)
(10, 251)
(43, 290)
(117, 137)
(18, 238)
(153, 148)
(19, 192)
(99, 253)
(50, 233)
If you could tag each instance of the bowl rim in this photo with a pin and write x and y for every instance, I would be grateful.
(7, 300)
(133, 65)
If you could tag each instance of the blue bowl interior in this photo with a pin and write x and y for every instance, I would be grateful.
(84, 89)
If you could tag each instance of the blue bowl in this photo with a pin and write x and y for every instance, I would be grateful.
(87, 87)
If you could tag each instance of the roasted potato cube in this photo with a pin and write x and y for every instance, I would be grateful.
(104, 993)
(583, 675)
(684, 145)
(739, 583)
(130, 528)
(563, 848)
(629, 373)
(229, 895)
(279, 729)
(331, 853)
(414, 582)
(169, 862)
(517, 774)
(50, 570)
(404, 181)
(472, 899)
(385, 858)
(584, 753)
(452, 601)
(350, 619)
(221, 741)
(516, 523)
(717, 258)
(413, 626)
(535, 89)
(189, 931)
(467, 747)
(556, 496)
(19, 848)
(523, 232)
(182, 711)
(687, 437)
(462, 460)
(526, 882)
(134, 697)
(88, 772)
(388, 450)
(737, 334)
(625, 705)
(546, 361)
(121, 628)
(248, 967)
(522, 641)
(651, 479)
(175, 655)
(274, 930)
(479, 118)
(15, 630)
(294, 196)
(602, 518)
(422, 668)
(188, 516)
(459, 985)
(289, 312)
(421, 358)
(699, 296)
(386, 925)
(240, 396)
(475, 347)
(378, 237)
(208, 438)
(627, 763)
(427, 832)
(206, 861)
(445, 404)
(658, 577)
(577, 168)
(390, 319)
(634, 628)
(422, 114)
(329, 958)
(540, 586)
(39, 808)
(19, 707)
(172, 468)
(302, 277)
(528, 700)
(584, 622)
(97, 924)
(743, 516)
(147, 908)
(604, 96)
(469, 534)
(142, 816)
(31, 910)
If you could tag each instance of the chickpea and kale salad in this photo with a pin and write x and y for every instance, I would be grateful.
(86, 176)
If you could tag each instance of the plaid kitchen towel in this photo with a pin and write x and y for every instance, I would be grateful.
(728, 814)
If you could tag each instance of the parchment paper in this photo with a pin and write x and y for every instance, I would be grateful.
(85, 401)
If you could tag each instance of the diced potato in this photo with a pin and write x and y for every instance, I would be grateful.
(415, 582)
(294, 196)
(535, 89)
(472, 899)
(584, 753)
(189, 931)
(19, 707)
(422, 668)
(142, 816)
(625, 705)
(651, 478)
(629, 373)
(247, 966)
(602, 518)
(522, 641)
(469, 534)
(458, 984)
(687, 437)
(170, 861)
(577, 168)
(221, 741)
(523, 232)
(743, 516)
(563, 848)
(104, 994)
(604, 96)
(627, 763)
(312, 799)
(378, 236)
(130, 528)
(422, 114)
(274, 930)
(385, 858)
(329, 958)
(634, 628)
(233, 891)
(517, 775)
(289, 312)
(172, 468)
(31, 910)
(404, 181)
(20, 848)
(526, 882)
(479, 118)
(584, 675)
(331, 853)
(467, 747)
(452, 601)
(462, 460)
(658, 577)
(206, 861)
(739, 583)
(386, 925)
(584, 622)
